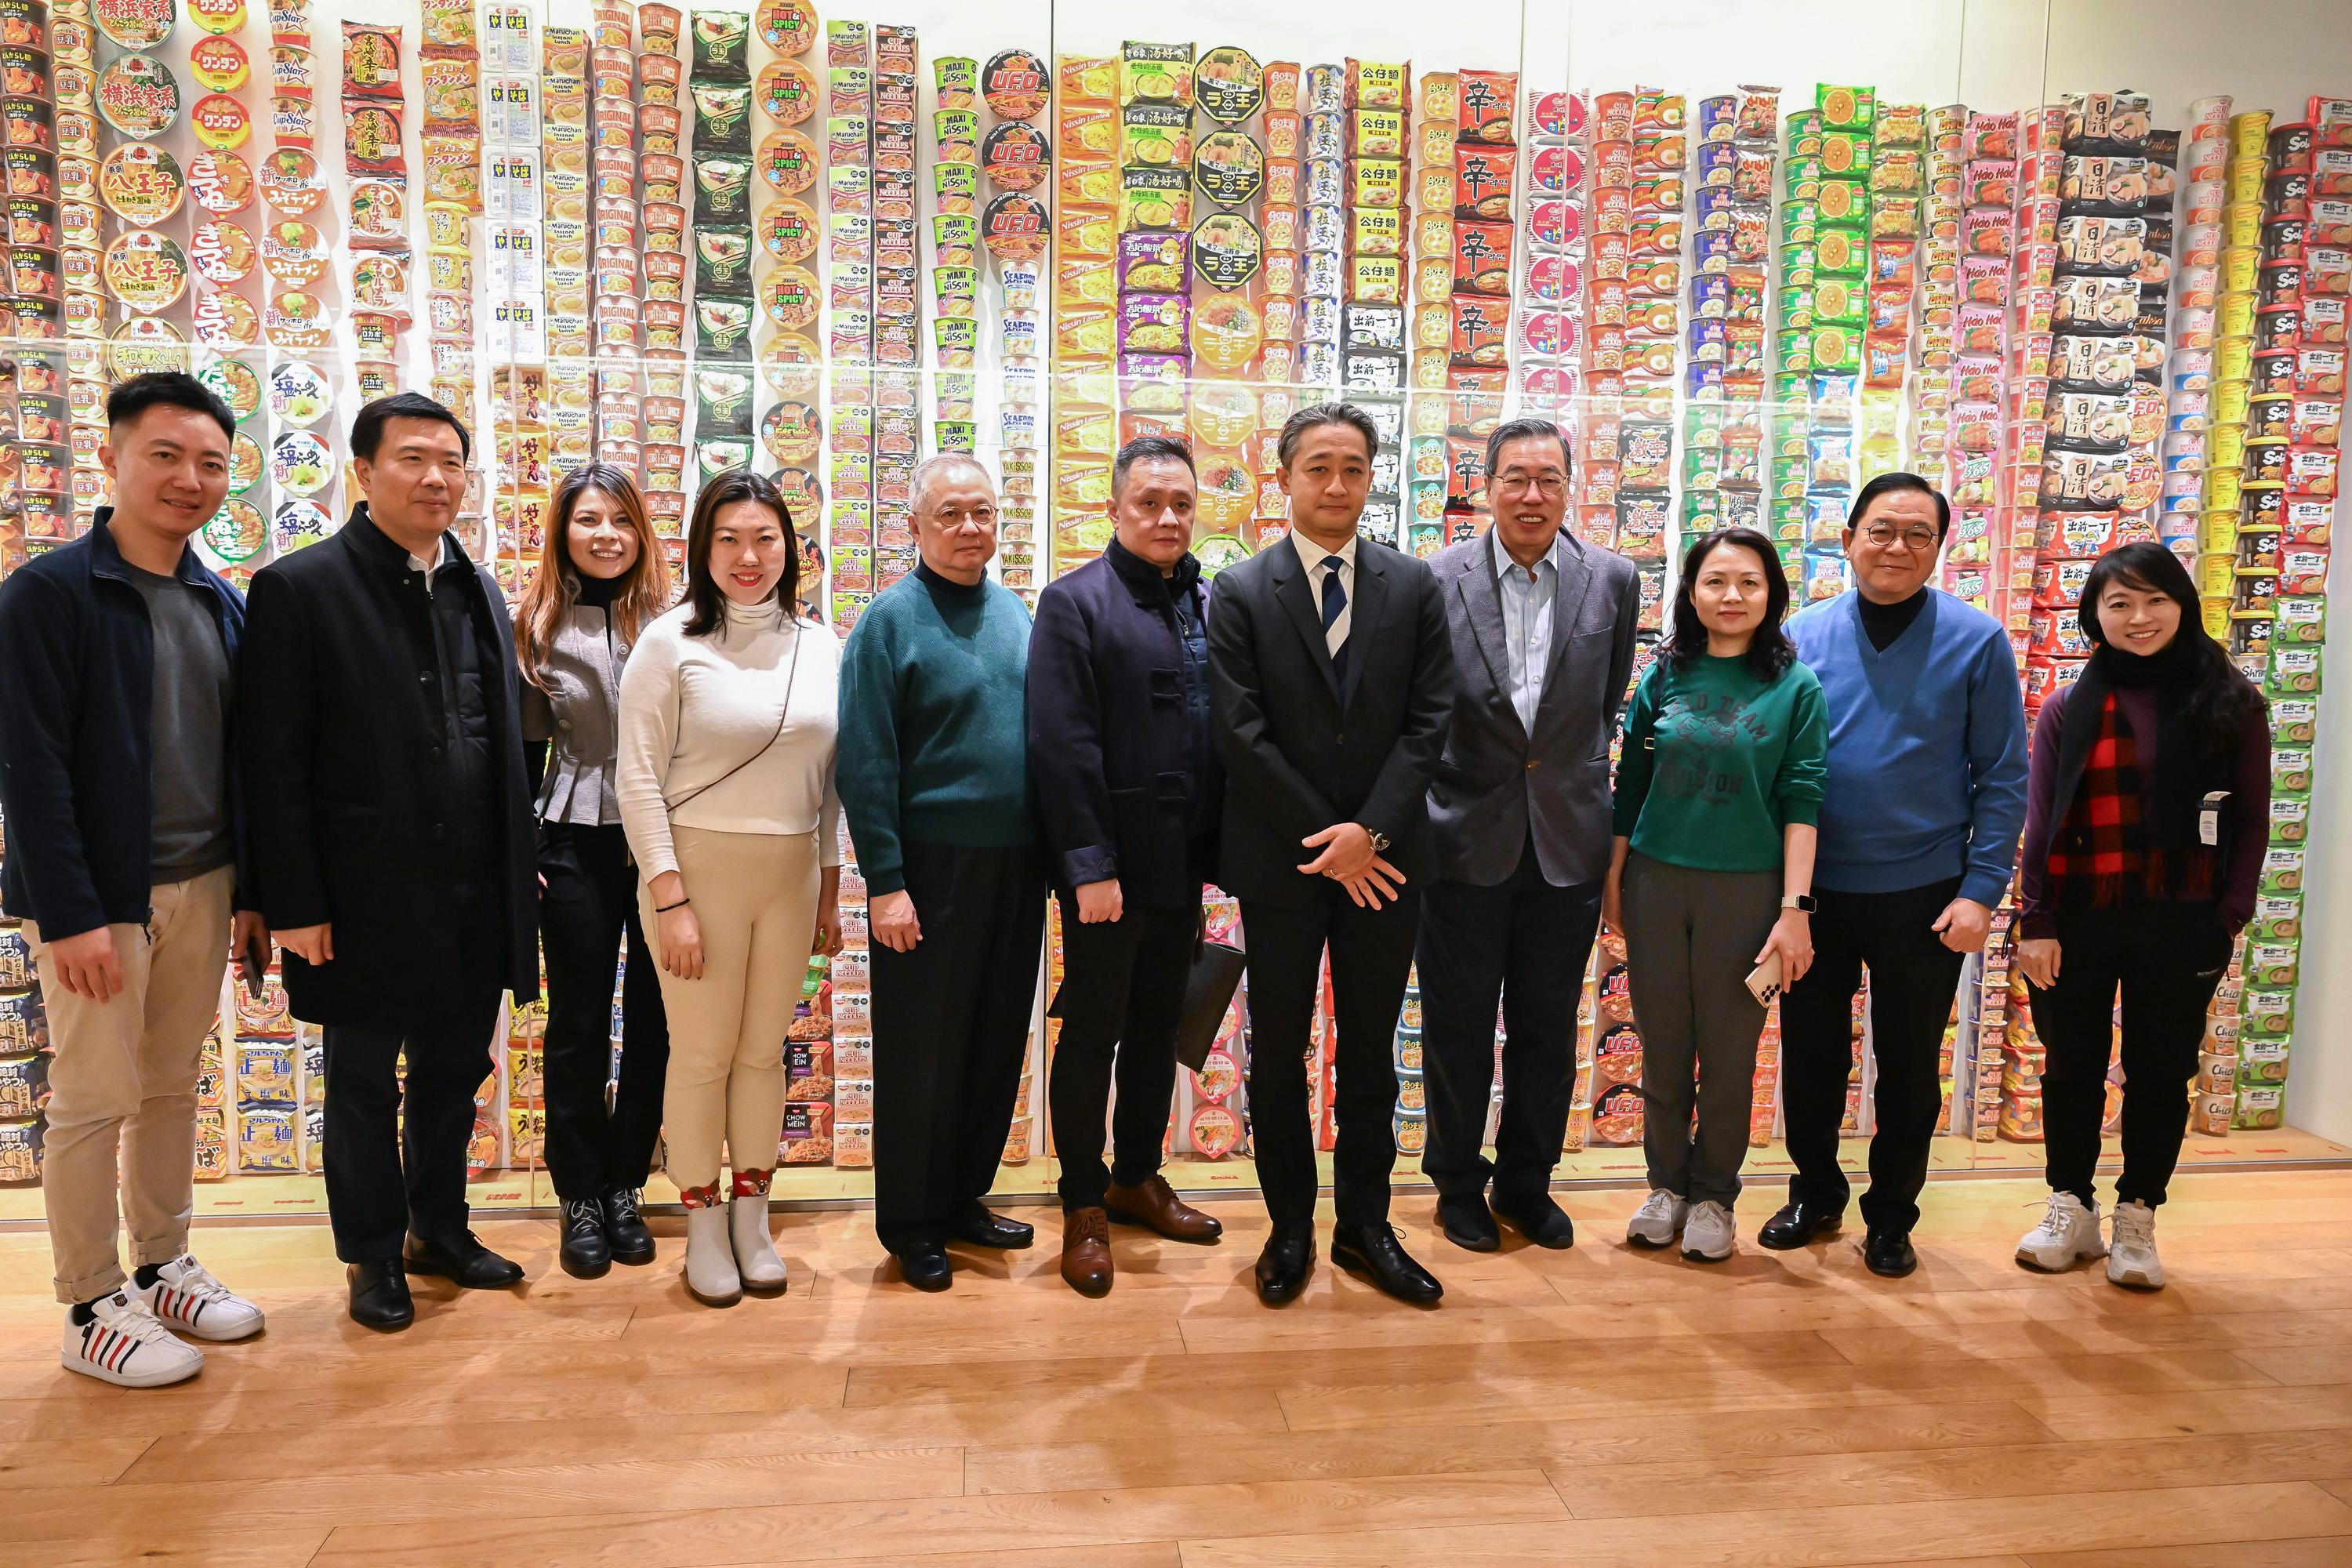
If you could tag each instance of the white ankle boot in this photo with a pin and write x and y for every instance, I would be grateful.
(755, 1251)
(711, 1274)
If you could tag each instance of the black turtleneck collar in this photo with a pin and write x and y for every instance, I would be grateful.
(1882, 623)
(596, 593)
(947, 587)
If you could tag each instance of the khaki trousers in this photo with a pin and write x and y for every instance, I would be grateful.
(122, 1087)
(755, 897)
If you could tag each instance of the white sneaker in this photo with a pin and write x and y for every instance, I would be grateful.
(1708, 1235)
(755, 1250)
(124, 1344)
(1657, 1221)
(186, 1298)
(711, 1277)
(2131, 1259)
(2068, 1234)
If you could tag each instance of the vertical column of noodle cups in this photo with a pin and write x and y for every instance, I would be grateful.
(1015, 228)
(52, 387)
(787, 233)
(898, 313)
(709, 369)
(1374, 220)
(512, 271)
(1435, 260)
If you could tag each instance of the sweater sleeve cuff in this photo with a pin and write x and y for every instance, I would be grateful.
(881, 879)
(1095, 863)
(1801, 811)
(1983, 888)
(2037, 925)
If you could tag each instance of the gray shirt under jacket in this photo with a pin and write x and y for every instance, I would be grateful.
(187, 730)
(578, 716)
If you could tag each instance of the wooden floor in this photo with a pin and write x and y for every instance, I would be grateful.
(1597, 1406)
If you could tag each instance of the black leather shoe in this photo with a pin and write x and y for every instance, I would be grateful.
(1467, 1224)
(1372, 1250)
(927, 1269)
(586, 1254)
(461, 1258)
(625, 1236)
(1798, 1225)
(1284, 1264)
(380, 1295)
(983, 1226)
(1538, 1219)
(1888, 1253)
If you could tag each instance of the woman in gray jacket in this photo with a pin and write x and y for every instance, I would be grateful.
(600, 579)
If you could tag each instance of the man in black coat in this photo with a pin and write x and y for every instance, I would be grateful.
(1332, 673)
(1129, 780)
(392, 837)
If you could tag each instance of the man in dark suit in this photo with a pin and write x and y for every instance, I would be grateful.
(1543, 648)
(1131, 786)
(1333, 676)
(392, 819)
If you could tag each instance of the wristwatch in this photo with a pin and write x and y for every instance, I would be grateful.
(1804, 901)
(1379, 840)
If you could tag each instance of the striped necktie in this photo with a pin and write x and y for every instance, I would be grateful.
(1335, 601)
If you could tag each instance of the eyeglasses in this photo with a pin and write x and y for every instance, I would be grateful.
(1550, 483)
(1882, 534)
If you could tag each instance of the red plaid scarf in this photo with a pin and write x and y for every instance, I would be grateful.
(2102, 852)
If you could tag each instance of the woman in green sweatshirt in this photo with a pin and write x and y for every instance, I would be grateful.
(1711, 873)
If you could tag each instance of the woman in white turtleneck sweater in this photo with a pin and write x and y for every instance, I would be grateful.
(726, 787)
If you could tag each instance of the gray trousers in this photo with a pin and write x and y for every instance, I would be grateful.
(1691, 938)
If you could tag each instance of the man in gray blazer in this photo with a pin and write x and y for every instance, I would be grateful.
(1542, 628)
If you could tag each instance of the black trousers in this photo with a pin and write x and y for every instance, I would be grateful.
(1913, 978)
(1371, 953)
(950, 1032)
(2166, 958)
(1122, 992)
(396, 1163)
(588, 905)
(1526, 943)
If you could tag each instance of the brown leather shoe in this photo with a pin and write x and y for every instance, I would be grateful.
(1085, 1252)
(1156, 1206)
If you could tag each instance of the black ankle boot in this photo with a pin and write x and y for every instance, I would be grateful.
(625, 1228)
(585, 1254)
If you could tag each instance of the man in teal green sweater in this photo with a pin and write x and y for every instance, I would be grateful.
(933, 772)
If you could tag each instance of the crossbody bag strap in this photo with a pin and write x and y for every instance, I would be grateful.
(792, 676)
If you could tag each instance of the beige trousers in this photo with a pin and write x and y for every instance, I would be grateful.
(755, 897)
(122, 1087)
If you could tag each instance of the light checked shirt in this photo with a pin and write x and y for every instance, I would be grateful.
(1527, 599)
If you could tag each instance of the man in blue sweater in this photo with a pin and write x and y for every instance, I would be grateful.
(1919, 832)
(934, 776)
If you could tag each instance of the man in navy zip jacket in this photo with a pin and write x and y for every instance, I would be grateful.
(1919, 832)
(1130, 787)
(126, 857)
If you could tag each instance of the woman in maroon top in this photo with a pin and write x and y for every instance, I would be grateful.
(2148, 812)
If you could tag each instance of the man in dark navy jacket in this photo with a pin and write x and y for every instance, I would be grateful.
(126, 857)
(1131, 786)
(393, 831)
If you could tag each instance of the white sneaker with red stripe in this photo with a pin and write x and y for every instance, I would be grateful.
(124, 1344)
(187, 1300)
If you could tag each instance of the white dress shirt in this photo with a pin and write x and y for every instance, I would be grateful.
(1527, 597)
(1314, 555)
